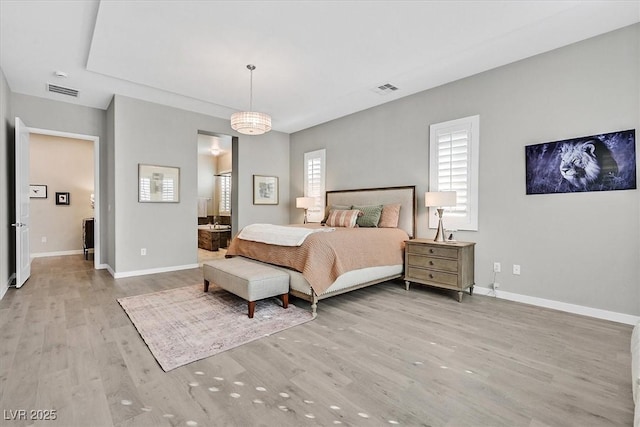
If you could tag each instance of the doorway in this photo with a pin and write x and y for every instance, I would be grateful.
(72, 200)
(215, 170)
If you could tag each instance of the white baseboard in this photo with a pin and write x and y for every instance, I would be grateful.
(562, 306)
(101, 267)
(110, 270)
(151, 271)
(58, 253)
(6, 286)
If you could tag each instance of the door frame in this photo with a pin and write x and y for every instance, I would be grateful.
(97, 223)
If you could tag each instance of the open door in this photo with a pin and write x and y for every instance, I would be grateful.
(23, 256)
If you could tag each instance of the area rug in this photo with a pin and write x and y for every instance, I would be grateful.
(186, 324)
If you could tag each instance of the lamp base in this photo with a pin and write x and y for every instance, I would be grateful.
(440, 232)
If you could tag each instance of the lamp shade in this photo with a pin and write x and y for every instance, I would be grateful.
(251, 122)
(305, 202)
(440, 198)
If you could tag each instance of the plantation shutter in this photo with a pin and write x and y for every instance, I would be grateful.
(224, 206)
(314, 183)
(453, 166)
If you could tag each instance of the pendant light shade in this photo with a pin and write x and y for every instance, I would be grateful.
(251, 122)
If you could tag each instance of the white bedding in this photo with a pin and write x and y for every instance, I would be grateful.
(278, 234)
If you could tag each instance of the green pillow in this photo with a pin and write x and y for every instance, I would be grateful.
(370, 215)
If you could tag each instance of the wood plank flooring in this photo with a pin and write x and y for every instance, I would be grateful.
(378, 356)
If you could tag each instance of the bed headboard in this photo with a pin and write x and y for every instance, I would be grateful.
(406, 196)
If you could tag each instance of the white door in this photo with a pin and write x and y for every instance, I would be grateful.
(23, 259)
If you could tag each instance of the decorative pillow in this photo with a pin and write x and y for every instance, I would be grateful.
(390, 216)
(334, 208)
(370, 215)
(342, 218)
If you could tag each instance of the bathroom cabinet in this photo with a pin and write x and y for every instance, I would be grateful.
(212, 239)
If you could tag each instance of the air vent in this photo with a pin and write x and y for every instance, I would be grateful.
(385, 89)
(62, 90)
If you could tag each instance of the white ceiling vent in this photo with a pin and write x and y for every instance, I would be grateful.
(62, 90)
(385, 89)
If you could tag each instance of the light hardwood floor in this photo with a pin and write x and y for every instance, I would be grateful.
(378, 356)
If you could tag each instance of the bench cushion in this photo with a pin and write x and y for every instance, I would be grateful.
(247, 279)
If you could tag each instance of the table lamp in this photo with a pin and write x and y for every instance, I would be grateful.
(440, 200)
(305, 203)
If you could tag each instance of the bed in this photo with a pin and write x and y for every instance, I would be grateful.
(344, 259)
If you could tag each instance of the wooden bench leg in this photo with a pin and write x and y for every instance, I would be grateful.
(206, 285)
(285, 300)
(252, 308)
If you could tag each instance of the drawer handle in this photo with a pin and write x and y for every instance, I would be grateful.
(430, 276)
(430, 251)
(430, 262)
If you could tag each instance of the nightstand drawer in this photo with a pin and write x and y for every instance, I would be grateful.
(432, 276)
(434, 263)
(432, 250)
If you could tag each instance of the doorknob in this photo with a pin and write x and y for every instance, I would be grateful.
(18, 224)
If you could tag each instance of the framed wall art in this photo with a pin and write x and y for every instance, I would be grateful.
(602, 162)
(63, 198)
(158, 184)
(37, 191)
(265, 190)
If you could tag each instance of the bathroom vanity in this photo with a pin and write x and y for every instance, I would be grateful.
(212, 238)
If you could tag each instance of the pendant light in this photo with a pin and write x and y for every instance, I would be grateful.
(251, 122)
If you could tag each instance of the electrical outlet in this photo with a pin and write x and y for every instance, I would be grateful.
(496, 267)
(496, 286)
(143, 251)
(516, 269)
(44, 239)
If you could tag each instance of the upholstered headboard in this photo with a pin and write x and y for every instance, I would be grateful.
(406, 196)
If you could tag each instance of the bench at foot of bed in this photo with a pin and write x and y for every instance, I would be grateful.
(249, 280)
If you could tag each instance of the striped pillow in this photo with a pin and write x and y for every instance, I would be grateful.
(342, 218)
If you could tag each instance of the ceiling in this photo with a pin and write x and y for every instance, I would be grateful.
(316, 60)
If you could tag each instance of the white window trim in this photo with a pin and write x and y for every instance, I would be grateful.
(470, 221)
(315, 214)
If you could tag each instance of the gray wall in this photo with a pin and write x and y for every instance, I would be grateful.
(575, 248)
(6, 184)
(64, 117)
(144, 132)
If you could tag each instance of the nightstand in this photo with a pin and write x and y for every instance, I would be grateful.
(447, 265)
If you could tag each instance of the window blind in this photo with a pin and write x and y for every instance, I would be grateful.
(224, 207)
(314, 183)
(453, 166)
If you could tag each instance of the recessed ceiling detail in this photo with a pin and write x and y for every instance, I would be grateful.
(171, 53)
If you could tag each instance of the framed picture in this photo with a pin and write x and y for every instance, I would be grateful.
(602, 162)
(38, 191)
(63, 199)
(158, 184)
(265, 190)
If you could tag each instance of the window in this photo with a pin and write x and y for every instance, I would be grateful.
(224, 207)
(453, 166)
(314, 174)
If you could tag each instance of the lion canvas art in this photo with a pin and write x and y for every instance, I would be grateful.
(593, 163)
